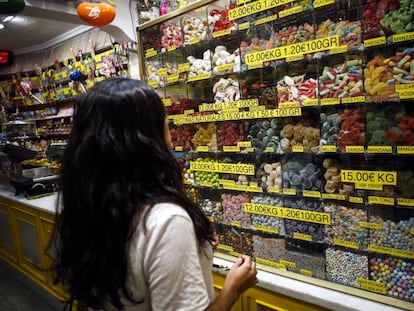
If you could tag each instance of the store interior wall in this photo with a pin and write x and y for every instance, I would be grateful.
(122, 29)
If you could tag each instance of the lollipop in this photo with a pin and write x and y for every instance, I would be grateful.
(76, 76)
(26, 90)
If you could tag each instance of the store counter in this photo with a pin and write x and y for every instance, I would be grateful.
(30, 223)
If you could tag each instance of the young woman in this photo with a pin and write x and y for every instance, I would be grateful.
(129, 238)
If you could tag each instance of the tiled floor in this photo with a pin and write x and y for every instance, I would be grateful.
(18, 293)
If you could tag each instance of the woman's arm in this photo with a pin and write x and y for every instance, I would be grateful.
(241, 277)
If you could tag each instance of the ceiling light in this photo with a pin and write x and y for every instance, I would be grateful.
(8, 18)
(1, 26)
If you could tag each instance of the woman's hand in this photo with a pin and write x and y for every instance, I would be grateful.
(241, 276)
(215, 242)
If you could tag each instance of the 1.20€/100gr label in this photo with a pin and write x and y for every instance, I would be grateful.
(289, 213)
(311, 46)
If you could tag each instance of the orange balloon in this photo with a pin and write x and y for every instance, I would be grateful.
(96, 14)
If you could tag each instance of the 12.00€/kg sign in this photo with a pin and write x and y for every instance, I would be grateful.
(311, 46)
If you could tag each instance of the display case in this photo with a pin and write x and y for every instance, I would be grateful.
(298, 135)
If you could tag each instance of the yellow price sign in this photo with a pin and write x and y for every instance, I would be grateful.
(381, 200)
(302, 236)
(221, 33)
(345, 243)
(405, 149)
(288, 263)
(377, 177)
(408, 36)
(320, 3)
(204, 166)
(375, 41)
(266, 229)
(167, 102)
(255, 7)
(311, 46)
(295, 10)
(244, 26)
(240, 169)
(184, 67)
(372, 286)
(289, 213)
(405, 202)
(264, 20)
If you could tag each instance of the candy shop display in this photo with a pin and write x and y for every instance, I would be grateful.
(264, 135)
(387, 17)
(293, 29)
(341, 80)
(229, 133)
(296, 89)
(346, 267)
(256, 39)
(340, 19)
(218, 19)
(303, 229)
(395, 274)
(229, 239)
(210, 179)
(270, 173)
(264, 90)
(175, 66)
(352, 130)
(200, 66)
(302, 173)
(305, 258)
(209, 201)
(333, 182)
(171, 35)
(184, 165)
(293, 122)
(404, 135)
(382, 125)
(300, 134)
(393, 230)
(234, 241)
(268, 223)
(156, 76)
(268, 248)
(181, 137)
(330, 127)
(178, 104)
(241, 177)
(387, 71)
(226, 59)
(233, 209)
(345, 228)
(226, 90)
(199, 92)
(151, 40)
(195, 27)
(405, 181)
(205, 135)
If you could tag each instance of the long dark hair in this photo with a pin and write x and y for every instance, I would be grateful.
(116, 163)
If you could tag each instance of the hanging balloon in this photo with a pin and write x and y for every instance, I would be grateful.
(96, 14)
(11, 6)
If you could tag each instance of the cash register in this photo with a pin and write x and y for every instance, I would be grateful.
(32, 182)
